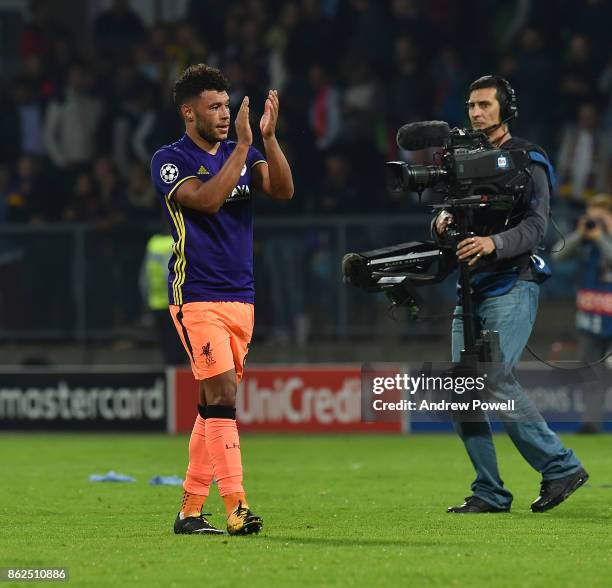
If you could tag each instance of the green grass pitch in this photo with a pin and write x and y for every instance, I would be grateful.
(338, 511)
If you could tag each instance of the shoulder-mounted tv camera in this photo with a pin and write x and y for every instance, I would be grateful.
(467, 165)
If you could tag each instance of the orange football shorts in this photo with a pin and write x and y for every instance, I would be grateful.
(216, 335)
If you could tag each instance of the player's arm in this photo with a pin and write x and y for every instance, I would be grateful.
(275, 179)
(209, 196)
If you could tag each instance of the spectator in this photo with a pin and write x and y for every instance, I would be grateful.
(605, 86)
(448, 87)
(277, 41)
(408, 20)
(312, 24)
(370, 32)
(71, 122)
(5, 191)
(363, 101)
(578, 76)
(582, 165)
(10, 129)
(121, 116)
(82, 203)
(27, 195)
(189, 49)
(324, 112)
(118, 29)
(148, 128)
(337, 193)
(408, 88)
(142, 202)
(592, 240)
(38, 33)
(30, 118)
(533, 76)
(109, 190)
(14, 299)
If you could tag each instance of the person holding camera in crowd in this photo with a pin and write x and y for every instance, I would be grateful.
(504, 281)
(592, 240)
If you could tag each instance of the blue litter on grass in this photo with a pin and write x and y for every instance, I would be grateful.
(111, 477)
(166, 481)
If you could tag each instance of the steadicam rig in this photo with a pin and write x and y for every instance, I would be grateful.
(398, 270)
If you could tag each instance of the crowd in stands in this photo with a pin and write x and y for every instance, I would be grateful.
(82, 117)
(80, 121)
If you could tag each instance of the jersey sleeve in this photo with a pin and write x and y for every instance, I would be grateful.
(254, 157)
(168, 171)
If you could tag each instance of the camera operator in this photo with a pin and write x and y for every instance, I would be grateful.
(504, 284)
(592, 240)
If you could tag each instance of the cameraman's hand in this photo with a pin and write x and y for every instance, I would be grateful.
(473, 248)
(444, 219)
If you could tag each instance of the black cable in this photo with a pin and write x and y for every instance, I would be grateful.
(417, 319)
(554, 224)
(568, 369)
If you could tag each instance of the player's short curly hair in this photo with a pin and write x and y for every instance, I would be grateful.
(196, 79)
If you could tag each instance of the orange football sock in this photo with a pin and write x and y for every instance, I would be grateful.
(200, 470)
(231, 501)
(192, 504)
(223, 446)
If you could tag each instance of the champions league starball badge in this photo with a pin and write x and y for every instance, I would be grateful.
(168, 172)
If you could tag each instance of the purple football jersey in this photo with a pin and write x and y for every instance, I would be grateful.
(212, 257)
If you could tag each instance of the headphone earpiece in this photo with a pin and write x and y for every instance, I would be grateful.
(509, 106)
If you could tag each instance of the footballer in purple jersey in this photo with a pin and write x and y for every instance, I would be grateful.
(205, 183)
(225, 272)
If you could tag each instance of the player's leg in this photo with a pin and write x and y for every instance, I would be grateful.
(199, 471)
(198, 479)
(223, 444)
(222, 433)
(222, 437)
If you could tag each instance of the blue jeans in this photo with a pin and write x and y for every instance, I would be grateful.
(512, 315)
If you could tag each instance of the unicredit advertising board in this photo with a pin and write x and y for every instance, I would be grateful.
(287, 399)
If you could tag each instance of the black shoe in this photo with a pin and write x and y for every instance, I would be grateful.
(473, 504)
(242, 521)
(554, 492)
(195, 526)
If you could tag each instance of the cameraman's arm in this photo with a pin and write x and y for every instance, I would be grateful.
(528, 234)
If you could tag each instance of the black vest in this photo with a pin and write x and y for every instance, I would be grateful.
(487, 221)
